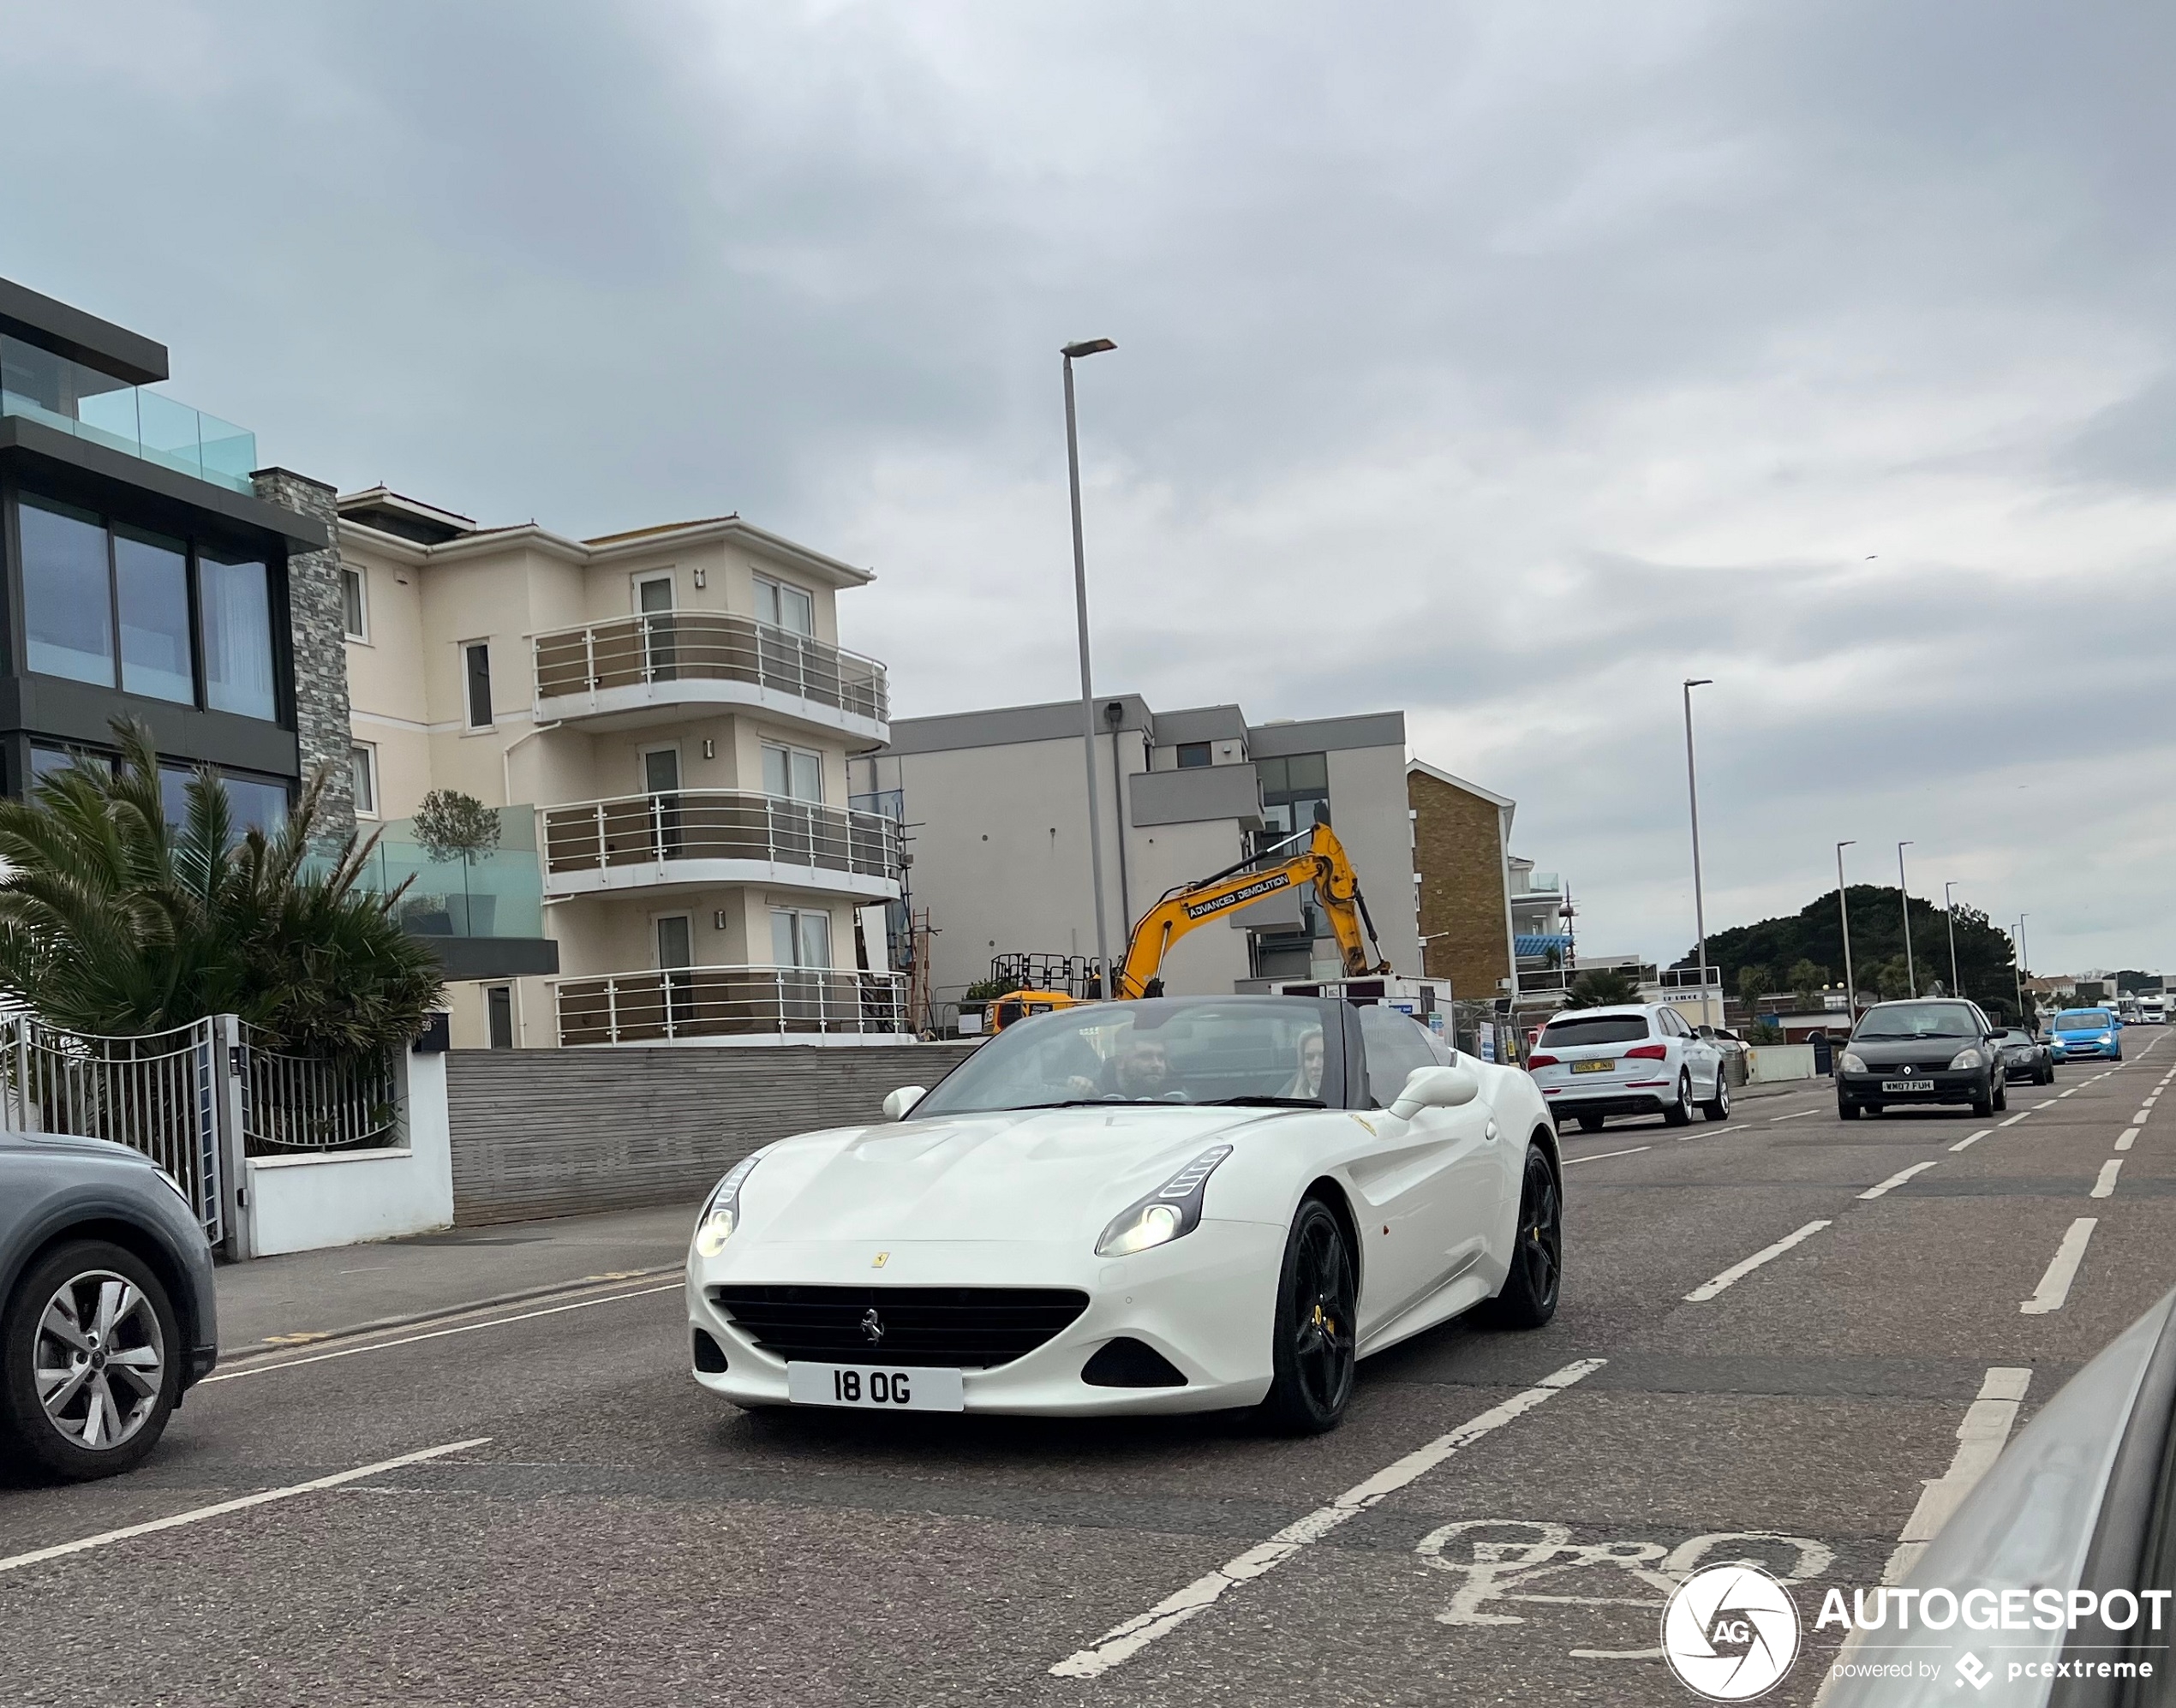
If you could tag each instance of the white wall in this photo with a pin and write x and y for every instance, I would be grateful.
(1368, 803)
(304, 1203)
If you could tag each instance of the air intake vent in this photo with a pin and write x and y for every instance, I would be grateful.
(968, 1328)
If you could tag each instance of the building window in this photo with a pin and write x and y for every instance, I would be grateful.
(151, 588)
(800, 937)
(363, 764)
(66, 613)
(1193, 754)
(653, 595)
(475, 659)
(355, 603)
(499, 1015)
(1295, 793)
(784, 606)
(792, 773)
(253, 802)
(236, 595)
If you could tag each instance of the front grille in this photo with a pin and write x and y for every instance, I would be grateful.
(971, 1327)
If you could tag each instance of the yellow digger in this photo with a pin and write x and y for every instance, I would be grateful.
(1322, 862)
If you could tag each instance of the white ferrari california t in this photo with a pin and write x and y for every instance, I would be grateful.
(1171, 1205)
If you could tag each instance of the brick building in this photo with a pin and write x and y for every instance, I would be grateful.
(1461, 844)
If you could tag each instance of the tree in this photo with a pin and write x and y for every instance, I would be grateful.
(1604, 987)
(1806, 981)
(1753, 982)
(449, 823)
(114, 920)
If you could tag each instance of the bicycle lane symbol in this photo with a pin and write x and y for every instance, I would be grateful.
(1529, 1562)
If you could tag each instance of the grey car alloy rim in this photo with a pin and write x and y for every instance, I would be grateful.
(100, 1359)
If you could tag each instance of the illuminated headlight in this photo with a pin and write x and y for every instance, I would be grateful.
(1172, 1209)
(1967, 1057)
(721, 1216)
(1852, 1064)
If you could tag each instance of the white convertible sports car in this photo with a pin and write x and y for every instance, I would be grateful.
(1171, 1205)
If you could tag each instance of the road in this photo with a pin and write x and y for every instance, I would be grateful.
(603, 1531)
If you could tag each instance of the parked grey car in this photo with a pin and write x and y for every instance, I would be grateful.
(106, 1311)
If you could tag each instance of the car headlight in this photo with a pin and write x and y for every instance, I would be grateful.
(1172, 1209)
(1967, 1057)
(1852, 1064)
(722, 1214)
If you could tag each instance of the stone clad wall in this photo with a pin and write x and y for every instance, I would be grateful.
(320, 649)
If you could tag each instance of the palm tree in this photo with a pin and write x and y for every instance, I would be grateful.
(1603, 988)
(114, 920)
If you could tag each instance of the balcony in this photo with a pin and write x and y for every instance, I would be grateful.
(733, 1005)
(482, 914)
(718, 836)
(84, 403)
(630, 671)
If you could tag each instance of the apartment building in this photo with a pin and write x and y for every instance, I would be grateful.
(154, 571)
(1461, 848)
(663, 719)
(997, 805)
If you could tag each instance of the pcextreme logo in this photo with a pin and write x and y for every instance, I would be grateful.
(1729, 1632)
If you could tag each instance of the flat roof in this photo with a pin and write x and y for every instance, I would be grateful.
(52, 325)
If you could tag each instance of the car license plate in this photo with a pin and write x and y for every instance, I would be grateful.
(879, 1387)
(1907, 1085)
(1592, 1066)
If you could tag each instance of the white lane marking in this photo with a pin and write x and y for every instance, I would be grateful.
(1974, 1138)
(2129, 1135)
(1707, 1290)
(1987, 1422)
(2015, 1118)
(263, 1497)
(2072, 1092)
(434, 1335)
(1122, 1642)
(2055, 1285)
(1600, 1155)
(2142, 1117)
(1898, 1179)
(2105, 1186)
(1799, 1116)
(1716, 1132)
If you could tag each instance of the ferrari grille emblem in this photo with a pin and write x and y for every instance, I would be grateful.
(872, 1326)
(880, 1260)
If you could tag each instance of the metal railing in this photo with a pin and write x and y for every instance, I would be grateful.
(1690, 978)
(705, 646)
(722, 1002)
(316, 1103)
(718, 824)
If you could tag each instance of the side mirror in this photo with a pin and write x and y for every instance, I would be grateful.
(1435, 1088)
(901, 1102)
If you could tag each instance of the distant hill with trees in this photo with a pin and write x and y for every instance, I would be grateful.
(1801, 952)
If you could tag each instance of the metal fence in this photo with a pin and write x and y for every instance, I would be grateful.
(692, 645)
(316, 1103)
(719, 1003)
(718, 824)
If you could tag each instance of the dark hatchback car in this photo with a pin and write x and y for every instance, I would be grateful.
(106, 1310)
(2026, 1057)
(1927, 1050)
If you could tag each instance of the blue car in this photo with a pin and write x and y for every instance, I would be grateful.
(2079, 1033)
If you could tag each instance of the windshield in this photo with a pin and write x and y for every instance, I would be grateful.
(1919, 1020)
(1192, 1050)
(2084, 1020)
(1602, 1028)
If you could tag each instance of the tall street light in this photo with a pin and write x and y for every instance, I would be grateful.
(1911, 977)
(1692, 794)
(1843, 908)
(1949, 914)
(1070, 352)
(2021, 969)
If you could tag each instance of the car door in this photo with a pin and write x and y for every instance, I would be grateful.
(1703, 1061)
(1433, 1181)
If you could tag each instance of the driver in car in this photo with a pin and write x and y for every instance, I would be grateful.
(1307, 1082)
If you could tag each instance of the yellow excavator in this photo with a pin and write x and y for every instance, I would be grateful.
(1322, 862)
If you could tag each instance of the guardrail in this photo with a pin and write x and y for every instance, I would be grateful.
(704, 646)
(678, 1003)
(717, 824)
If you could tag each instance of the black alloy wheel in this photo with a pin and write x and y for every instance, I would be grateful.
(1680, 1114)
(1530, 1289)
(1317, 1332)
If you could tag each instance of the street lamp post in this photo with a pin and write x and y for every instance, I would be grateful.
(1911, 977)
(1070, 352)
(1949, 914)
(1692, 795)
(1843, 908)
(2021, 968)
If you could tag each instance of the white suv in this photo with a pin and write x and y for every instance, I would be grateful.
(1593, 1063)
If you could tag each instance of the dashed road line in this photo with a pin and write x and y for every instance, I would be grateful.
(2015, 1118)
(2141, 1117)
(1898, 1179)
(1796, 1115)
(2105, 1186)
(1603, 1155)
(2129, 1136)
(219, 1509)
(1738, 1272)
(1122, 1642)
(1987, 1422)
(1972, 1138)
(2055, 1285)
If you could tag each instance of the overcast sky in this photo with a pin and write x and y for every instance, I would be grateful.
(1503, 363)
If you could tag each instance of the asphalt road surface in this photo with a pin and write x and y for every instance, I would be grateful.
(594, 1528)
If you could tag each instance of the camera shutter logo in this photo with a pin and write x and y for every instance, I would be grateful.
(1729, 1632)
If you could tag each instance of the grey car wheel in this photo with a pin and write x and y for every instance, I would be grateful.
(88, 1346)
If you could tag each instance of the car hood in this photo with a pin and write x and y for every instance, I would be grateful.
(14, 1139)
(1032, 1175)
(1929, 1053)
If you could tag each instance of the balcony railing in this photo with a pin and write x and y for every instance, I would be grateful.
(684, 1003)
(81, 402)
(495, 894)
(704, 646)
(717, 824)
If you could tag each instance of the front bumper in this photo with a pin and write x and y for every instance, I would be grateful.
(1950, 1086)
(2094, 1051)
(1206, 1301)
